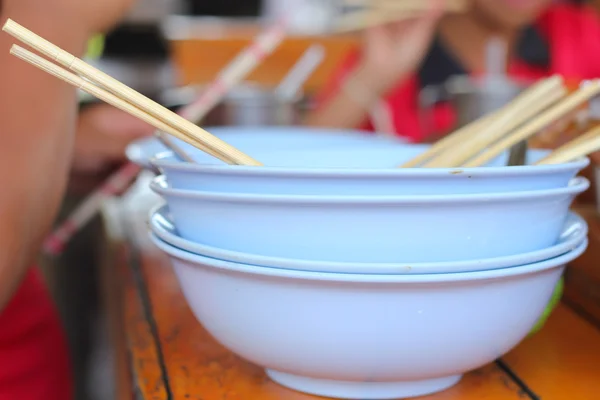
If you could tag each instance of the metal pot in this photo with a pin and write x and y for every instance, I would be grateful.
(245, 105)
(470, 98)
(473, 99)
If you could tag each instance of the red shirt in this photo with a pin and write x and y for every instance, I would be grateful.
(564, 40)
(33, 350)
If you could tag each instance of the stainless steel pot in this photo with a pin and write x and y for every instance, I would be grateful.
(473, 99)
(245, 105)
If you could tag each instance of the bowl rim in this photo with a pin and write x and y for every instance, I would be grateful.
(159, 162)
(159, 185)
(567, 243)
(502, 273)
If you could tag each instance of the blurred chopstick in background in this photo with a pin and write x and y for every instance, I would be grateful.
(362, 14)
(236, 71)
(291, 83)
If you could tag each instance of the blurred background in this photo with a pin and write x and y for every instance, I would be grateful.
(160, 46)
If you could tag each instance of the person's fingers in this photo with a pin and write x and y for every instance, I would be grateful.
(425, 25)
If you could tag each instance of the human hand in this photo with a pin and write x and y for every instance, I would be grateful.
(103, 133)
(393, 51)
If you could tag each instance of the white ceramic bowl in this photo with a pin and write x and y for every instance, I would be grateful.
(259, 142)
(361, 169)
(373, 229)
(365, 336)
(573, 233)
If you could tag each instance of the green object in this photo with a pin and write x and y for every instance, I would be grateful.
(95, 47)
(554, 300)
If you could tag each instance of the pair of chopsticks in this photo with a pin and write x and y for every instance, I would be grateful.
(362, 14)
(482, 140)
(581, 146)
(544, 119)
(520, 110)
(104, 87)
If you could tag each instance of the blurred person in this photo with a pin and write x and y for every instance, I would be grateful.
(38, 127)
(398, 60)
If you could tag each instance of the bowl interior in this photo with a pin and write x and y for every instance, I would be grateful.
(260, 139)
(368, 155)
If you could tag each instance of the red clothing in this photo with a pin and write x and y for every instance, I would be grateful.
(33, 352)
(572, 35)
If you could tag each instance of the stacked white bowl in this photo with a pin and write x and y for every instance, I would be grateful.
(345, 276)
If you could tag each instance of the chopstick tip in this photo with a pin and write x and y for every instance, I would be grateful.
(16, 50)
(9, 25)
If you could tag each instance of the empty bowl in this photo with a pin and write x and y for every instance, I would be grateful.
(258, 140)
(572, 234)
(361, 170)
(365, 336)
(373, 229)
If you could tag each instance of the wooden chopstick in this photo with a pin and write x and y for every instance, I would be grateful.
(460, 136)
(449, 5)
(557, 111)
(416, 5)
(456, 138)
(522, 108)
(581, 146)
(360, 20)
(174, 147)
(368, 13)
(127, 94)
(106, 96)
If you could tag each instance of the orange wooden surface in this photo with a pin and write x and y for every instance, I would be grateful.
(562, 361)
(173, 343)
(144, 372)
(583, 278)
(201, 55)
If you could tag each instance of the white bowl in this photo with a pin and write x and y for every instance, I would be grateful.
(373, 229)
(365, 336)
(573, 233)
(259, 142)
(361, 169)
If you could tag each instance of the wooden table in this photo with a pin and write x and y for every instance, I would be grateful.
(163, 353)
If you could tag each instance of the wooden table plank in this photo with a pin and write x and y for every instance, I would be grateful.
(562, 361)
(141, 344)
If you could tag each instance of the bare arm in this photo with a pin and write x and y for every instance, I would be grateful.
(37, 123)
(390, 53)
(349, 107)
